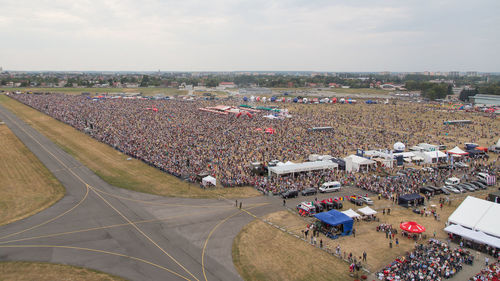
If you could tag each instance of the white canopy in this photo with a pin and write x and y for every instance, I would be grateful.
(478, 214)
(354, 163)
(303, 167)
(456, 150)
(469, 234)
(352, 214)
(367, 211)
(408, 154)
(209, 179)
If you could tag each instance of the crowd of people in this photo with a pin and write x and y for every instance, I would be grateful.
(490, 273)
(434, 261)
(178, 138)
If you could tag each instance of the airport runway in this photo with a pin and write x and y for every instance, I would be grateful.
(133, 235)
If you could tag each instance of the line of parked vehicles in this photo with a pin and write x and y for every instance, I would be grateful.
(453, 185)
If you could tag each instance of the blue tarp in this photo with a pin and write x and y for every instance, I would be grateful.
(334, 217)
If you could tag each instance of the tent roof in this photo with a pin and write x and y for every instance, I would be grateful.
(360, 160)
(405, 154)
(477, 236)
(489, 222)
(333, 217)
(432, 154)
(457, 150)
(303, 167)
(477, 214)
(352, 214)
(409, 197)
(367, 211)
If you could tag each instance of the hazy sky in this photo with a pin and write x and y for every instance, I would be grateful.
(189, 35)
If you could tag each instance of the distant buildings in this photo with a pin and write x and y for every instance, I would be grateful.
(226, 85)
(486, 100)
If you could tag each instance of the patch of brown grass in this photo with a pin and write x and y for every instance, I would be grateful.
(112, 165)
(262, 252)
(28, 271)
(26, 186)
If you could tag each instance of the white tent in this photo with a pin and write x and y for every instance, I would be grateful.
(290, 168)
(457, 151)
(351, 213)
(470, 234)
(209, 179)
(367, 211)
(431, 156)
(477, 214)
(356, 163)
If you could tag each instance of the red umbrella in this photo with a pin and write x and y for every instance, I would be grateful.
(412, 227)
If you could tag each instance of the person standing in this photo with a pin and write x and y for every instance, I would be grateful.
(354, 232)
(240, 204)
(364, 256)
(390, 243)
(486, 260)
(284, 202)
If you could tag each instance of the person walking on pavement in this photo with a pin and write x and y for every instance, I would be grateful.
(236, 204)
(284, 202)
(240, 204)
(354, 233)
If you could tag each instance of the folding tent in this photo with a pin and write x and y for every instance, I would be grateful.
(367, 211)
(351, 213)
(209, 179)
(334, 218)
(457, 151)
(410, 199)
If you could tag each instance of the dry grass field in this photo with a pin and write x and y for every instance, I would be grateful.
(113, 166)
(26, 186)
(31, 271)
(261, 252)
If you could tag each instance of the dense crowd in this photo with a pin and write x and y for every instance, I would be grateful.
(178, 138)
(434, 261)
(489, 273)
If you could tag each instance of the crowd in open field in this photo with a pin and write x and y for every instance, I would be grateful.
(490, 273)
(434, 261)
(178, 138)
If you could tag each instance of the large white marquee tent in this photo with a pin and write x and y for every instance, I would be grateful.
(477, 219)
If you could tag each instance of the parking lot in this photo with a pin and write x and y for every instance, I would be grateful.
(344, 191)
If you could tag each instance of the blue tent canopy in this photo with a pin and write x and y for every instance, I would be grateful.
(334, 217)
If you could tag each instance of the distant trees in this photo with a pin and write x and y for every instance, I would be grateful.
(430, 90)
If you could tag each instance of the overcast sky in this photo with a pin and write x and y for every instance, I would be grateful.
(225, 35)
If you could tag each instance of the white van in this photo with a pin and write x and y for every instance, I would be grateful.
(452, 181)
(330, 186)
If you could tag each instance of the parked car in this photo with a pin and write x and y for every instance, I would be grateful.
(367, 200)
(471, 186)
(452, 181)
(461, 165)
(330, 186)
(291, 193)
(452, 189)
(445, 191)
(356, 201)
(462, 190)
(309, 191)
(479, 184)
(465, 186)
(426, 190)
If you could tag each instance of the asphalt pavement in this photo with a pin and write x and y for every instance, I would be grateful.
(133, 235)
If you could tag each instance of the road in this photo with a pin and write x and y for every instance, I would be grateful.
(129, 234)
